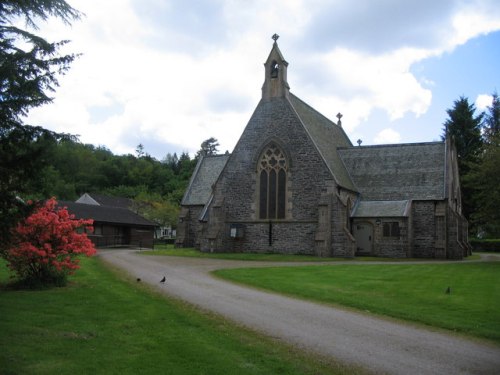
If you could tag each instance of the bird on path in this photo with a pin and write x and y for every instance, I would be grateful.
(163, 280)
(138, 279)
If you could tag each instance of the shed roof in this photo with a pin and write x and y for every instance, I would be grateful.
(397, 172)
(204, 176)
(105, 214)
(381, 209)
(104, 200)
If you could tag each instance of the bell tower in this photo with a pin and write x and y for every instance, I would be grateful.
(275, 83)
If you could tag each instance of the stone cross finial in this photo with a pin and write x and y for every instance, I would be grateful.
(359, 142)
(339, 116)
(275, 37)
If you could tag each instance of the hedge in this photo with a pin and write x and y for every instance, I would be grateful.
(485, 245)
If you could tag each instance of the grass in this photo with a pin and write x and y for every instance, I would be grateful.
(411, 292)
(170, 250)
(103, 322)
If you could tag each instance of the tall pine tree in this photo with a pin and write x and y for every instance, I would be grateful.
(464, 128)
(484, 176)
(491, 124)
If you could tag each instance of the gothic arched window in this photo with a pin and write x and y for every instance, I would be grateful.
(272, 170)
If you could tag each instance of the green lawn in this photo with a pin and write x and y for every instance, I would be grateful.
(170, 250)
(104, 323)
(411, 292)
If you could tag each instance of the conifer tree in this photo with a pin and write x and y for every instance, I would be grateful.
(463, 127)
(491, 124)
(29, 67)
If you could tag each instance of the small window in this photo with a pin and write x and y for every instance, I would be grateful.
(391, 229)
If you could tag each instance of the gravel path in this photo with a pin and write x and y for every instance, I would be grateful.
(379, 345)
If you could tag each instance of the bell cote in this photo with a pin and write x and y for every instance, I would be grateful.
(275, 83)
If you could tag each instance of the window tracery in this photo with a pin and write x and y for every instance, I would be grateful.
(272, 171)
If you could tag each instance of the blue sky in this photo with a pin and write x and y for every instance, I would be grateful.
(170, 74)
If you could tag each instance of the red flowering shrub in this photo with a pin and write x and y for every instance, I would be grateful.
(46, 245)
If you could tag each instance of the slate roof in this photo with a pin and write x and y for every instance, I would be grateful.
(397, 172)
(327, 136)
(204, 176)
(106, 214)
(104, 200)
(381, 209)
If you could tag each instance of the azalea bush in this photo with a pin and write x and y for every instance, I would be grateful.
(46, 245)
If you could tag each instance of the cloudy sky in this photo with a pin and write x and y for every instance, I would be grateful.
(171, 73)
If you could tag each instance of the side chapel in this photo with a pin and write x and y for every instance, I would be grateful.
(295, 184)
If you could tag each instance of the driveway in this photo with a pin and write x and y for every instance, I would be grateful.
(379, 345)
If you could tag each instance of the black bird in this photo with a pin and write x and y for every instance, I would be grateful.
(138, 279)
(448, 291)
(162, 280)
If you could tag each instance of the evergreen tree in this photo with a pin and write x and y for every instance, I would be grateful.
(208, 147)
(464, 128)
(491, 124)
(29, 66)
(484, 181)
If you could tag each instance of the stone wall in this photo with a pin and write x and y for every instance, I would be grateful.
(269, 237)
(423, 228)
(189, 227)
(389, 247)
(308, 178)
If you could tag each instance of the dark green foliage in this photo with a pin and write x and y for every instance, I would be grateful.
(75, 168)
(491, 124)
(90, 169)
(483, 180)
(208, 147)
(463, 127)
(27, 75)
(477, 140)
(492, 245)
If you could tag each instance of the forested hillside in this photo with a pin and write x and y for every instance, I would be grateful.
(157, 186)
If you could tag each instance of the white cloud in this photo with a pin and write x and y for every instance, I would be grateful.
(483, 101)
(387, 136)
(173, 73)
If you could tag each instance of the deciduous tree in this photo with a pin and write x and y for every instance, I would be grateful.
(45, 245)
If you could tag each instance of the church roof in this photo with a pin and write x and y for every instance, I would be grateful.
(397, 172)
(204, 176)
(381, 209)
(327, 136)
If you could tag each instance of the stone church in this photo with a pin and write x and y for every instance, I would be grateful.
(296, 184)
